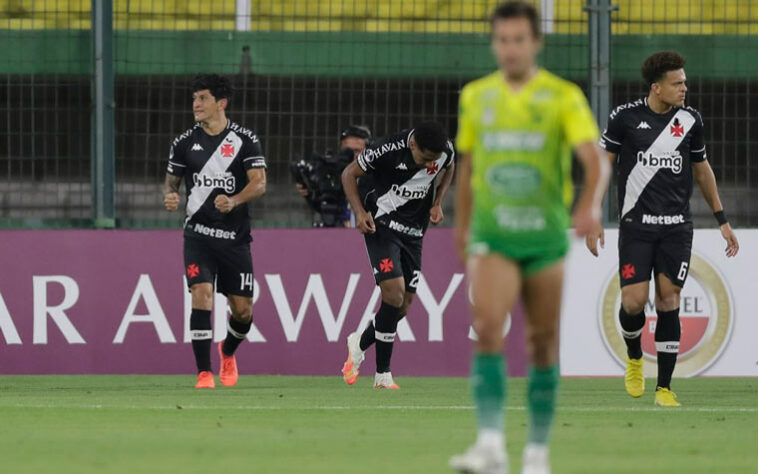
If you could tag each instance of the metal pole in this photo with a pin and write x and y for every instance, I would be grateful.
(102, 136)
(600, 67)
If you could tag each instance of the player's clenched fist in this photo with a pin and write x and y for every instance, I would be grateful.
(224, 203)
(171, 201)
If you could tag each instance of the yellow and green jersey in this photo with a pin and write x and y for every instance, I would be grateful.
(520, 143)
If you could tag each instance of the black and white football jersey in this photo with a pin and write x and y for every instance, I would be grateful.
(655, 153)
(403, 192)
(214, 165)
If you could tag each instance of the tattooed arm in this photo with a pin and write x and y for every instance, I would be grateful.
(171, 192)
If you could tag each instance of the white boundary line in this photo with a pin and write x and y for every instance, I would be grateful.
(384, 408)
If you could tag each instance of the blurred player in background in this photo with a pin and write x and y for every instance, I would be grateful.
(658, 144)
(517, 128)
(224, 169)
(410, 172)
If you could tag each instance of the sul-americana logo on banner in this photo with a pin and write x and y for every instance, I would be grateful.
(706, 315)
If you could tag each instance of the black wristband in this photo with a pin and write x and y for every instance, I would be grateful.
(720, 217)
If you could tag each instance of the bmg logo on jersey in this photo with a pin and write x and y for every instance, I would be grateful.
(669, 160)
(224, 181)
(411, 193)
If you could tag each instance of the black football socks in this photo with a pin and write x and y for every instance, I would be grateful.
(201, 335)
(385, 329)
(236, 331)
(668, 332)
(631, 330)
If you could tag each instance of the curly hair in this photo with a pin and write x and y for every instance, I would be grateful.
(657, 65)
(219, 86)
(430, 136)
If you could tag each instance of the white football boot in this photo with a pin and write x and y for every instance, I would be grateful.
(486, 456)
(385, 381)
(536, 459)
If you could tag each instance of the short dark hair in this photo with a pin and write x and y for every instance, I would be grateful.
(657, 65)
(358, 131)
(430, 136)
(518, 9)
(219, 86)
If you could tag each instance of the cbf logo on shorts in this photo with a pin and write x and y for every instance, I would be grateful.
(705, 312)
(224, 181)
(671, 161)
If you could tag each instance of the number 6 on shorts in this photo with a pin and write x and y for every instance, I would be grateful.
(683, 271)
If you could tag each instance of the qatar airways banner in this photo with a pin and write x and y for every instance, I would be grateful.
(116, 302)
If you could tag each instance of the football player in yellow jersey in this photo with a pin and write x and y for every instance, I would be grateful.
(517, 128)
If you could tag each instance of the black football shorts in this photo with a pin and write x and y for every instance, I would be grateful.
(392, 255)
(665, 251)
(228, 265)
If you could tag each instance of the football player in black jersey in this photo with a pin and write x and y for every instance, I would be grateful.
(411, 172)
(657, 143)
(223, 168)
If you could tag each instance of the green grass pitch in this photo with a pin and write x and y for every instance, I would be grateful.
(276, 424)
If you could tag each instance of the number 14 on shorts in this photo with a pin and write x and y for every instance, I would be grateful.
(246, 281)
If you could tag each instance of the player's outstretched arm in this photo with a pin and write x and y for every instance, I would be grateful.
(171, 192)
(350, 176)
(463, 200)
(597, 235)
(435, 214)
(586, 216)
(706, 181)
(255, 188)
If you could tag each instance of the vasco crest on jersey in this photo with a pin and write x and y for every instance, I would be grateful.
(676, 129)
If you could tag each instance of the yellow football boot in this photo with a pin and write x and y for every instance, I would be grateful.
(665, 398)
(634, 380)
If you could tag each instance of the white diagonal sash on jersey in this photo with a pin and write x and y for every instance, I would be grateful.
(390, 201)
(216, 165)
(641, 175)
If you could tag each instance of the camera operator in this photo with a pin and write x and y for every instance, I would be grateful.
(318, 179)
